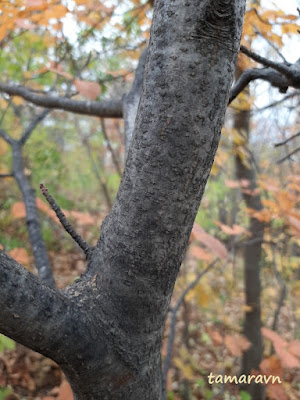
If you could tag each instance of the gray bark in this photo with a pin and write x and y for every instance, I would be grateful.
(115, 313)
(132, 99)
(32, 218)
(105, 108)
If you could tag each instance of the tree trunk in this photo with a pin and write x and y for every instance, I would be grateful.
(105, 330)
(252, 258)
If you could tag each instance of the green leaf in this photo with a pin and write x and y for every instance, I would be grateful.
(200, 382)
(245, 396)
(6, 343)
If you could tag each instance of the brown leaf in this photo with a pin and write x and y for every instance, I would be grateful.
(65, 391)
(276, 392)
(91, 90)
(18, 210)
(274, 337)
(216, 337)
(294, 348)
(20, 255)
(287, 359)
(236, 344)
(209, 241)
(232, 184)
(271, 366)
(200, 254)
(34, 3)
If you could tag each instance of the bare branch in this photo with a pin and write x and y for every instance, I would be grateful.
(65, 223)
(101, 181)
(35, 315)
(32, 219)
(277, 102)
(287, 140)
(27, 132)
(7, 175)
(289, 155)
(6, 137)
(280, 67)
(112, 152)
(275, 78)
(105, 109)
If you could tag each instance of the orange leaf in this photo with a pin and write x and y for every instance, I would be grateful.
(216, 337)
(91, 90)
(287, 359)
(199, 253)
(209, 241)
(25, 23)
(274, 337)
(232, 184)
(82, 218)
(276, 392)
(236, 344)
(234, 230)
(20, 255)
(271, 366)
(34, 3)
(65, 391)
(18, 210)
(294, 348)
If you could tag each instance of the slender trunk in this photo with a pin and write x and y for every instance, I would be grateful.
(32, 219)
(252, 259)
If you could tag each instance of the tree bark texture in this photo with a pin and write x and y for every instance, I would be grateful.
(106, 328)
(252, 258)
(32, 219)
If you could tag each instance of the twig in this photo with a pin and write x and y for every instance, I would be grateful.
(276, 103)
(65, 223)
(27, 132)
(289, 155)
(101, 181)
(174, 311)
(11, 175)
(271, 44)
(280, 67)
(6, 137)
(113, 154)
(287, 140)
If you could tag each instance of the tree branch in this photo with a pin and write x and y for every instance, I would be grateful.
(65, 223)
(287, 140)
(105, 108)
(32, 219)
(27, 132)
(267, 74)
(31, 313)
(288, 155)
(280, 67)
(6, 137)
